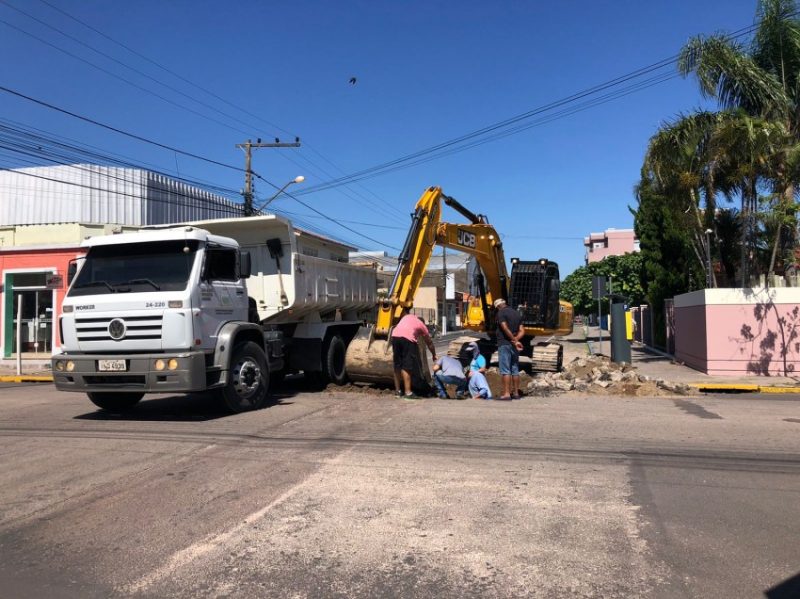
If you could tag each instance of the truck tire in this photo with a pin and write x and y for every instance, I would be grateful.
(114, 402)
(334, 361)
(248, 379)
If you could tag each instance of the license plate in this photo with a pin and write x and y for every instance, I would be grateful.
(111, 366)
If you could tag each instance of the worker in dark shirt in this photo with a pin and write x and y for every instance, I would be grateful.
(509, 344)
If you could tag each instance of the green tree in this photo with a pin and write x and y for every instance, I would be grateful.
(669, 264)
(679, 168)
(746, 154)
(624, 272)
(763, 80)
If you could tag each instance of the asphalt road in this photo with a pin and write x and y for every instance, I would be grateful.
(356, 495)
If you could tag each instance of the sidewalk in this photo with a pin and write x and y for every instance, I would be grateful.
(657, 365)
(33, 370)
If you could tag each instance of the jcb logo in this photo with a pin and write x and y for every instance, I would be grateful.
(466, 238)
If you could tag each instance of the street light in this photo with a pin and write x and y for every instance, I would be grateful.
(297, 179)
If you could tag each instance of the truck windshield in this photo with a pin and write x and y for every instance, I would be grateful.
(136, 268)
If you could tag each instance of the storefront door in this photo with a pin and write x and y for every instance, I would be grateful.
(36, 324)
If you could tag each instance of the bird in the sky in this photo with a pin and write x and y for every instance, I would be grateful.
(352, 80)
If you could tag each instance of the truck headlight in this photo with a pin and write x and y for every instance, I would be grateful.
(172, 364)
(70, 365)
(159, 364)
(59, 365)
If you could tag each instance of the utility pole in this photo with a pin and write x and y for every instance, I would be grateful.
(444, 290)
(248, 171)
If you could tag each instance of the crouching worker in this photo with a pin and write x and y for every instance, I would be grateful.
(448, 371)
(478, 385)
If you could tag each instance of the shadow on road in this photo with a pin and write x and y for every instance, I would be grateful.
(788, 589)
(198, 407)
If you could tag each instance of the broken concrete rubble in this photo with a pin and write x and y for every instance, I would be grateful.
(598, 375)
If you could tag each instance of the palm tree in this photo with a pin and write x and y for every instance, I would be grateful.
(746, 153)
(762, 79)
(680, 162)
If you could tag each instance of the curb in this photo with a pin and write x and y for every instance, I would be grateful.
(26, 378)
(734, 388)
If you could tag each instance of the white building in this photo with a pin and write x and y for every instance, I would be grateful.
(90, 193)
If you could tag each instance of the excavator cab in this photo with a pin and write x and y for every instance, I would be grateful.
(535, 287)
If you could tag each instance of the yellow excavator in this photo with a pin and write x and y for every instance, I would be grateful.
(533, 289)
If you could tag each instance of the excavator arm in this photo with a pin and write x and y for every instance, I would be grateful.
(369, 357)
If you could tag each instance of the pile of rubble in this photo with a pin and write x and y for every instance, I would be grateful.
(598, 375)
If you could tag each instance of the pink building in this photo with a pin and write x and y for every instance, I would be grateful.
(611, 242)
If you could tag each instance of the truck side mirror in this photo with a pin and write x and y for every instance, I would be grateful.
(245, 267)
(72, 270)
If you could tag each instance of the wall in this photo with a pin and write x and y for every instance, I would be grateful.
(93, 193)
(55, 234)
(739, 331)
(11, 262)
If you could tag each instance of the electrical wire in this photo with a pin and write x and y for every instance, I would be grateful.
(330, 218)
(423, 155)
(383, 205)
(119, 131)
(125, 65)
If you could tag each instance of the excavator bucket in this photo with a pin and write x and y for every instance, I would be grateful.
(370, 360)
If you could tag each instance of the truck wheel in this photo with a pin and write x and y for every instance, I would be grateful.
(334, 361)
(115, 402)
(248, 379)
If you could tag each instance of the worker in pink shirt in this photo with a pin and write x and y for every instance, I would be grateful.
(406, 353)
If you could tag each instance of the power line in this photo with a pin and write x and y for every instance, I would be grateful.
(424, 155)
(233, 210)
(116, 130)
(383, 204)
(127, 66)
(134, 136)
(83, 149)
(330, 218)
(165, 69)
(119, 77)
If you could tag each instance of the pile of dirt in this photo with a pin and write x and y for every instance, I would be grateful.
(359, 388)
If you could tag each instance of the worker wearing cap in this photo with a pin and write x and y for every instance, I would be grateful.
(478, 386)
(509, 344)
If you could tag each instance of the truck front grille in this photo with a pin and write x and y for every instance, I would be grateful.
(136, 327)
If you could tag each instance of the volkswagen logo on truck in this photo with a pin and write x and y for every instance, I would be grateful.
(116, 328)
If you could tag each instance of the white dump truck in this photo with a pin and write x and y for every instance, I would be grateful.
(167, 310)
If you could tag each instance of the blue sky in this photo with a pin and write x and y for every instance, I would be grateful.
(427, 72)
